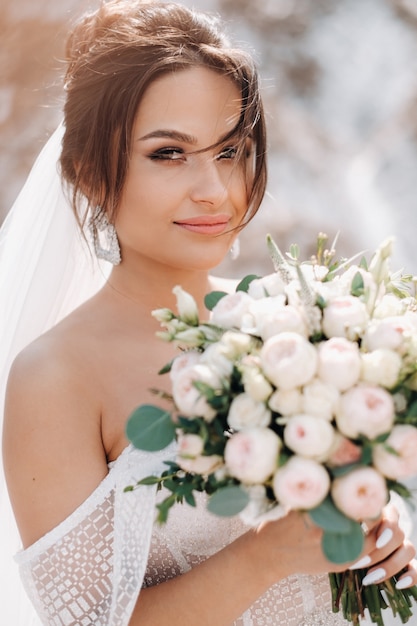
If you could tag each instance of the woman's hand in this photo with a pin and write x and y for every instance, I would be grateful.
(390, 552)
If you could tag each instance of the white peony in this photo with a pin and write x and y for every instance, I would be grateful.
(339, 362)
(231, 309)
(390, 332)
(189, 401)
(397, 457)
(301, 483)
(255, 383)
(270, 285)
(251, 455)
(245, 412)
(365, 410)
(345, 316)
(288, 360)
(215, 357)
(309, 436)
(279, 319)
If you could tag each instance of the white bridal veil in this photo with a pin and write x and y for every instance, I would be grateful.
(46, 271)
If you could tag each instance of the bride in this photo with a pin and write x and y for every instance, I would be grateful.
(162, 157)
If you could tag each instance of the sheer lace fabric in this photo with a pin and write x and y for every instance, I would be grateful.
(91, 567)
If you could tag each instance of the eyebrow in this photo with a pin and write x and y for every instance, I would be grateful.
(181, 137)
(170, 134)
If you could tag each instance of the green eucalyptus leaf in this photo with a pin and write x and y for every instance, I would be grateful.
(330, 519)
(245, 282)
(150, 480)
(343, 548)
(150, 428)
(228, 501)
(212, 298)
(357, 287)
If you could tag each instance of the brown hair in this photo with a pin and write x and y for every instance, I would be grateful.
(113, 55)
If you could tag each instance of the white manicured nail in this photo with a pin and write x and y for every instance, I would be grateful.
(384, 538)
(361, 563)
(403, 583)
(374, 577)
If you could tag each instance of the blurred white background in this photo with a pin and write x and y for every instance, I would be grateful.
(340, 88)
(339, 80)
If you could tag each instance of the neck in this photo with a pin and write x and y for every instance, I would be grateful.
(153, 289)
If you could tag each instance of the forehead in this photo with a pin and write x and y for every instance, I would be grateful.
(196, 101)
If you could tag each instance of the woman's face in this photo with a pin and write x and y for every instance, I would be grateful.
(179, 208)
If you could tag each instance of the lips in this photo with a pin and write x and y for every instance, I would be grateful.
(205, 224)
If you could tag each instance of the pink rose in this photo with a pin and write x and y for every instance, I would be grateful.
(403, 464)
(361, 494)
(288, 360)
(344, 452)
(301, 483)
(251, 455)
(339, 362)
(365, 410)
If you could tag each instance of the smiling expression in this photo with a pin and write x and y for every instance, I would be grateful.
(185, 189)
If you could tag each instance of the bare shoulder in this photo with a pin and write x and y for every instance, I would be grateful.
(53, 454)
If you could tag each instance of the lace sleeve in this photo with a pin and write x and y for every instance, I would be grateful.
(90, 568)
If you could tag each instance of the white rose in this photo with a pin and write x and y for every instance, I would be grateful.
(237, 344)
(230, 310)
(286, 401)
(388, 306)
(184, 360)
(365, 410)
(288, 360)
(345, 317)
(320, 399)
(200, 464)
(397, 457)
(187, 398)
(189, 445)
(186, 305)
(390, 332)
(381, 367)
(270, 285)
(281, 319)
(245, 412)
(215, 356)
(255, 384)
(339, 362)
(251, 455)
(260, 509)
(309, 436)
(301, 483)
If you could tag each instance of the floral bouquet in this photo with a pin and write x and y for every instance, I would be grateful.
(299, 393)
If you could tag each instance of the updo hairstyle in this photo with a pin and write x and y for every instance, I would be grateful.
(113, 56)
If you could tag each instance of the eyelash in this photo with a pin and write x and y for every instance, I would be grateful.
(177, 154)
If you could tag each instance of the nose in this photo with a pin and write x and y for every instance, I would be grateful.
(208, 185)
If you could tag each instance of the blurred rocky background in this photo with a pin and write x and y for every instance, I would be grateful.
(340, 87)
(339, 79)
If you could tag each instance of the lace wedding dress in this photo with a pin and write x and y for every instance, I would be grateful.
(91, 567)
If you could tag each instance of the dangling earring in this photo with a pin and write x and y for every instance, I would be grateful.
(106, 244)
(235, 249)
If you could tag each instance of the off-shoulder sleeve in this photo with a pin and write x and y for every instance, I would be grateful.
(90, 568)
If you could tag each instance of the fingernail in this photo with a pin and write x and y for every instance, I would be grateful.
(384, 538)
(374, 577)
(361, 563)
(407, 581)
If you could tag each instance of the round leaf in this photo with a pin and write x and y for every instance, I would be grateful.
(245, 282)
(150, 428)
(228, 501)
(343, 548)
(328, 517)
(212, 298)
